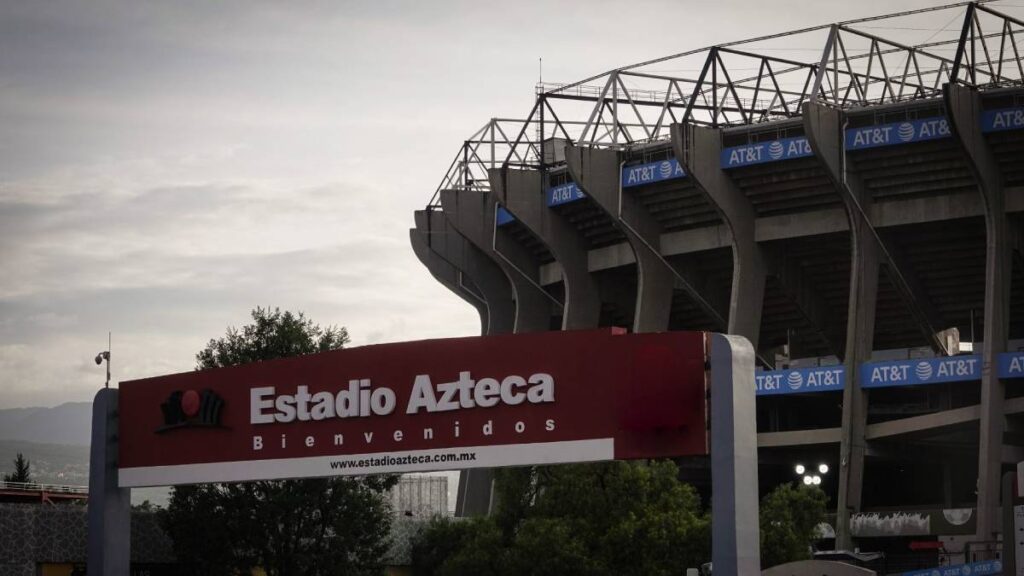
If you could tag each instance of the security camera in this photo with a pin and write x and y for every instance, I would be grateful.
(101, 357)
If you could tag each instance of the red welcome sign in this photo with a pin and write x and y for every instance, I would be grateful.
(446, 404)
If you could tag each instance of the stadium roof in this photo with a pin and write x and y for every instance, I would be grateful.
(887, 59)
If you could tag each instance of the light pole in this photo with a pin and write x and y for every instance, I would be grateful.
(105, 355)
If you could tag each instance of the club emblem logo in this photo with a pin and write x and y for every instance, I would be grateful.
(189, 408)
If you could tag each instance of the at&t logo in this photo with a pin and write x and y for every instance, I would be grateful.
(923, 370)
(665, 168)
(775, 150)
(906, 132)
(795, 380)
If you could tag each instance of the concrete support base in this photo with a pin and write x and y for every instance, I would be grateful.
(735, 530)
(109, 545)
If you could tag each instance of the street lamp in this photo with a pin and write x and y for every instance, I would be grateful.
(809, 477)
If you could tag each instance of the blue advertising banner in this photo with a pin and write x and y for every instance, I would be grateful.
(800, 380)
(983, 568)
(784, 149)
(897, 133)
(920, 372)
(1000, 120)
(640, 174)
(564, 194)
(1011, 365)
(503, 217)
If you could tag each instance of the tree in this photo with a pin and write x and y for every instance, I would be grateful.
(604, 519)
(21, 474)
(321, 526)
(790, 516)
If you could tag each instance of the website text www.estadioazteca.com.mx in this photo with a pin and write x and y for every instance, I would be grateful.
(385, 461)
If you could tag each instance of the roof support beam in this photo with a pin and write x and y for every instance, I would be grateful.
(963, 106)
(472, 214)
(449, 276)
(699, 149)
(521, 192)
(453, 248)
(598, 173)
(824, 130)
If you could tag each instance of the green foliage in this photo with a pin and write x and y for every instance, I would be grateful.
(605, 519)
(789, 516)
(22, 474)
(271, 335)
(328, 526)
(318, 526)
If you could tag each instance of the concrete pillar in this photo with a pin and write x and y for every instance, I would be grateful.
(449, 276)
(521, 192)
(963, 105)
(109, 547)
(598, 174)
(472, 214)
(474, 490)
(484, 274)
(824, 130)
(699, 150)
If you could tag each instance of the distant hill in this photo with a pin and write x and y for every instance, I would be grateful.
(48, 463)
(68, 423)
(64, 464)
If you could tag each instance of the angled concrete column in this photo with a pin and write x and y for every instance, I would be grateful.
(521, 192)
(699, 149)
(598, 173)
(474, 490)
(964, 108)
(824, 130)
(472, 214)
(449, 276)
(483, 273)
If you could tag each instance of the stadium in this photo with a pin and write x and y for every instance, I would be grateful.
(848, 197)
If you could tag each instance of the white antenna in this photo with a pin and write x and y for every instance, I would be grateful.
(540, 70)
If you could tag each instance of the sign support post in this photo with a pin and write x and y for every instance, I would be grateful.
(735, 529)
(109, 547)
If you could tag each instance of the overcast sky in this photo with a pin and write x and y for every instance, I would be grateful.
(166, 167)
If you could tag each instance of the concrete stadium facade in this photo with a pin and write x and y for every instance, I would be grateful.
(869, 246)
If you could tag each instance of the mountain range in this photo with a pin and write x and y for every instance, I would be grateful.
(68, 424)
